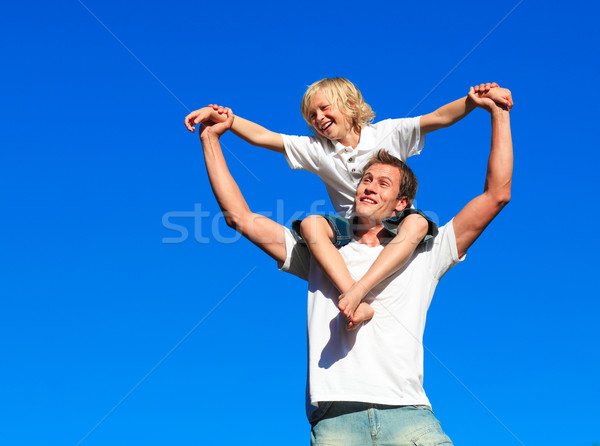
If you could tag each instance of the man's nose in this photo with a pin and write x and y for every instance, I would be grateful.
(370, 188)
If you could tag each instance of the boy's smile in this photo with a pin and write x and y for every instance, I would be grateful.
(331, 123)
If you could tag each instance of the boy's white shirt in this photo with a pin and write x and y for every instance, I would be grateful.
(382, 361)
(340, 167)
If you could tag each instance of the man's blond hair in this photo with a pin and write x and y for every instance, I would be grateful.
(343, 96)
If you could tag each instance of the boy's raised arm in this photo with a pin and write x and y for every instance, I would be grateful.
(250, 132)
(453, 112)
(257, 135)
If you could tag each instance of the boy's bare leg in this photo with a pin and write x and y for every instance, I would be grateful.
(393, 257)
(319, 238)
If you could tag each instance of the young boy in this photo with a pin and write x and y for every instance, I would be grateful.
(335, 109)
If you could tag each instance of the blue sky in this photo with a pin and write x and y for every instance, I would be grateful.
(203, 341)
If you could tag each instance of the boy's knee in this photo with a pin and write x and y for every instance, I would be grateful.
(313, 227)
(416, 227)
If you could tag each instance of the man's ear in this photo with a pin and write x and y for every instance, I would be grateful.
(402, 203)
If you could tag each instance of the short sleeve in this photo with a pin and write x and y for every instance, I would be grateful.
(302, 152)
(402, 135)
(297, 260)
(443, 251)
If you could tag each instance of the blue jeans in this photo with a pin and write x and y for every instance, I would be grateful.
(339, 225)
(343, 231)
(342, 423)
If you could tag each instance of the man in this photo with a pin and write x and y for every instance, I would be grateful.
(367, 384)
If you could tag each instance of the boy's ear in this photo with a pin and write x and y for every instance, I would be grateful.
(402, 203)
(352, 105)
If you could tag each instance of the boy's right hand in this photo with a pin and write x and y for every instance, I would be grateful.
(212, 114)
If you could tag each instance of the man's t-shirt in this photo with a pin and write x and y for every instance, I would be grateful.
(382, 361)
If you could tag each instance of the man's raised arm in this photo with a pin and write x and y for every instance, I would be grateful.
(475, 216)
(263, 232)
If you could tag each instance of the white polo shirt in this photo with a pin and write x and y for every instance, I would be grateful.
(340, 167)
(382, 361)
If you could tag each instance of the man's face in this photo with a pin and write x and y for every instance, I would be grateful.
(327, 120)
(376, 195)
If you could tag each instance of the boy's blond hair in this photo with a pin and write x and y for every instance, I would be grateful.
(344, 96)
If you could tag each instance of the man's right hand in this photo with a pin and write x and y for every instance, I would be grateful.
(207, 116)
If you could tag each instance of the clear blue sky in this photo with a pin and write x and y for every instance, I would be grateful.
(94, 155)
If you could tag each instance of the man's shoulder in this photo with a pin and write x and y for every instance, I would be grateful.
(298, 257)
(441, 252)
(444, 232)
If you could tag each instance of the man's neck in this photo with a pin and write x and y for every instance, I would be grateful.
(370, 234)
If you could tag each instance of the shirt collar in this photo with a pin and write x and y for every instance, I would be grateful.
(365, 144)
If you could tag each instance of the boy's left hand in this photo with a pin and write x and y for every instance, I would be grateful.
(216, 129)
(207, 116)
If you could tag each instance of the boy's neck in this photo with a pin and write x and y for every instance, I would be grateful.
(351, 140)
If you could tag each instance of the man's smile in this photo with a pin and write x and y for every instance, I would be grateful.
(367, 200)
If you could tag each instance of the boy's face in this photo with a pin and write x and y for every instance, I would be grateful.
(377, 193)
(328, 121)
